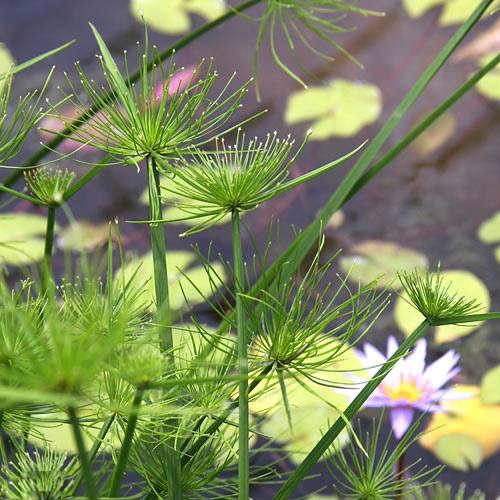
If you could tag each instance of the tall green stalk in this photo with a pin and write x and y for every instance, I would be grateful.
(350, 412)
(49, 246)
(159, 250)
(243, 449)
(117, 477)
(82, 454)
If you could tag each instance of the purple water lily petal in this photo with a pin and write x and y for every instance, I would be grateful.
(401, 418)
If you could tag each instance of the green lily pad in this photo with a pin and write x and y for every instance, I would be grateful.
(489, 230)
(497, 254)
(340, 109)
(83, 236)
(457, 11)
(180, 272)
(489, 85)
(462, 283)
(459, 451)
(6, 59)
(21, 238)
(173, 17)
(490, 386)
(380, 260)
(417, 8)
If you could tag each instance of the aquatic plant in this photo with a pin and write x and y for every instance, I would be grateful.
(160, 406)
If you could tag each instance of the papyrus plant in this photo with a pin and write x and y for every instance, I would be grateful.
(175, 410)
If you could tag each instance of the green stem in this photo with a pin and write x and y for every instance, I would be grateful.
(301, 246)
(82, 454)
(93, 110)
(49, 247)
(22, 196)
(400, 476)
(119, 470)
(95, 448)
(431, 118)
(159, 261)
(243, 449)
(350, 412)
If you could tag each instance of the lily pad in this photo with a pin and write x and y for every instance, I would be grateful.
(173, 17)
(83, 236)
(180, 273)
(489, 230)
(490, 386)
(380, 260)
(457, 11)
(468, 417)
(6, 59)
(21, 238)
(339, 109)
(462, 283)
(417, 8)
(489, 85)
(459, 451)
(436, 135)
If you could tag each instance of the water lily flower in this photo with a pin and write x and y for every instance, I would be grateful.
(411, 385)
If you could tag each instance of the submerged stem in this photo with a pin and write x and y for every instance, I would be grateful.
(159, 251)
(117, 477)
(49, 246)
(82, 454)
(243, 454)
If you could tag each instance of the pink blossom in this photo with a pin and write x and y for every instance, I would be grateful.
(410, 385)
(179, 81)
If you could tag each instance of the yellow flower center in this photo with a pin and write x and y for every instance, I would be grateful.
(406, 390)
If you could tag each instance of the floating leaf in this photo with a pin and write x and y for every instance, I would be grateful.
(490, 386)
(417, 8)
(341, 108)
(459, 451)
(497, 254)
(457, 11)
(172, 16)
(381, 260)
(489, 230)
(489, 85)
(180, 272)
(461, 283)
(83, 236)
(436, 135)
(20, 241)
(6, 59)
(467, 417)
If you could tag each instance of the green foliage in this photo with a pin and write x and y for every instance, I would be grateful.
(441, 491)
(342, 108)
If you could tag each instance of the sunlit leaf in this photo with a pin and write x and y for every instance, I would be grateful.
(489, 230)
(6, 59)
(173, 17)
(459, 451)
(180, 272)
(489, 85)
(490, 386)
(380, 260)
(341, 108)
(463, 283)
(83, 236)
(436, 135)
(468, 417)
(417, 8)
(21, 238)
(457, 11)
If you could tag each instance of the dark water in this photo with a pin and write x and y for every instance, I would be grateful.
(433, 205)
